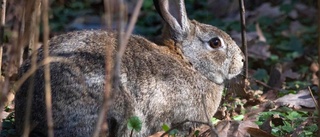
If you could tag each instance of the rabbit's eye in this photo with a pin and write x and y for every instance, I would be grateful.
(215, 42)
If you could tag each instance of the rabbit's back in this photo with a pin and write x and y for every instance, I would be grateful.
(154, 85)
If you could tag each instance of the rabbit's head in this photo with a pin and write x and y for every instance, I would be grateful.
(210, 50)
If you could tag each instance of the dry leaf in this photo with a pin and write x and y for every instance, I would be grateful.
(290, 74)
(256, 132)
(234, 128)
(260, 33)
(296, 101)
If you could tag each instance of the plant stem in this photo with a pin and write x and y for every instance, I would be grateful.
(318, 63)
(131, 134)
(243, 37)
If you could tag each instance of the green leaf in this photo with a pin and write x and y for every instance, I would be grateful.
(261, 74)
(173, 132)
(196, 133)
(287, 128)
(238, 117)
(312, 128)
(293, 115)
(214, 120)
(165, 127)
(134, 123)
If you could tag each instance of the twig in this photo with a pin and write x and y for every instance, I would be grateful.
(314, 99)
(108, 4)
(34, 9)
(3, 82)
(108, 72)
(48, 98)
(2, 21)
(31, 71)
(123, 40)
(263, 84)
(318, 124)
(243, 37)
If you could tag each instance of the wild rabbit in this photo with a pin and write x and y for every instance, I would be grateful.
(180, 78)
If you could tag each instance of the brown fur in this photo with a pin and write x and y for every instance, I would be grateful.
(182, 78)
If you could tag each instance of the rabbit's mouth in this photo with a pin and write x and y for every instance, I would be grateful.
(235, 70)
(236, 66)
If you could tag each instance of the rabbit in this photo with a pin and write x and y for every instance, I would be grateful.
(181, 77)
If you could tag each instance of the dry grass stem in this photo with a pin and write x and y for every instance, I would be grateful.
(318, 62)
(314, 99)
(2, 20)
(3, 83)
(31, 71)
(45, 21)
(243, 37)
(34, 16)
(112, 76)
(108, 72)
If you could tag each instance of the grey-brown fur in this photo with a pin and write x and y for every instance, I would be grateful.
(161, 84)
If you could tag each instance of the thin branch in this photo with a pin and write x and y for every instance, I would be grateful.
(2, 21)
(123, 40)
(48, 98)
(4, 82)
(33, 9)
(314, 99)
(31, 71)
(108, 72)
(318, 62)
(243, 37)
(126, 37)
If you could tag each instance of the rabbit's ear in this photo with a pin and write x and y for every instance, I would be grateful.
(174, 13)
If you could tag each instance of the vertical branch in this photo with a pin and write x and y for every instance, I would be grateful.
(243, 36)
(3, 83)
(108, 70)
(122, 42)
(318, 123)
(2, 21)
(47, 66)
(32, 13)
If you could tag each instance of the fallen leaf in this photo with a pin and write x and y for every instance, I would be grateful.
(270, 95)
(296, 101)
(256, 132)
(231, 128)
(290, 74)
(260, 33)
(266, 126)
(314, 67)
